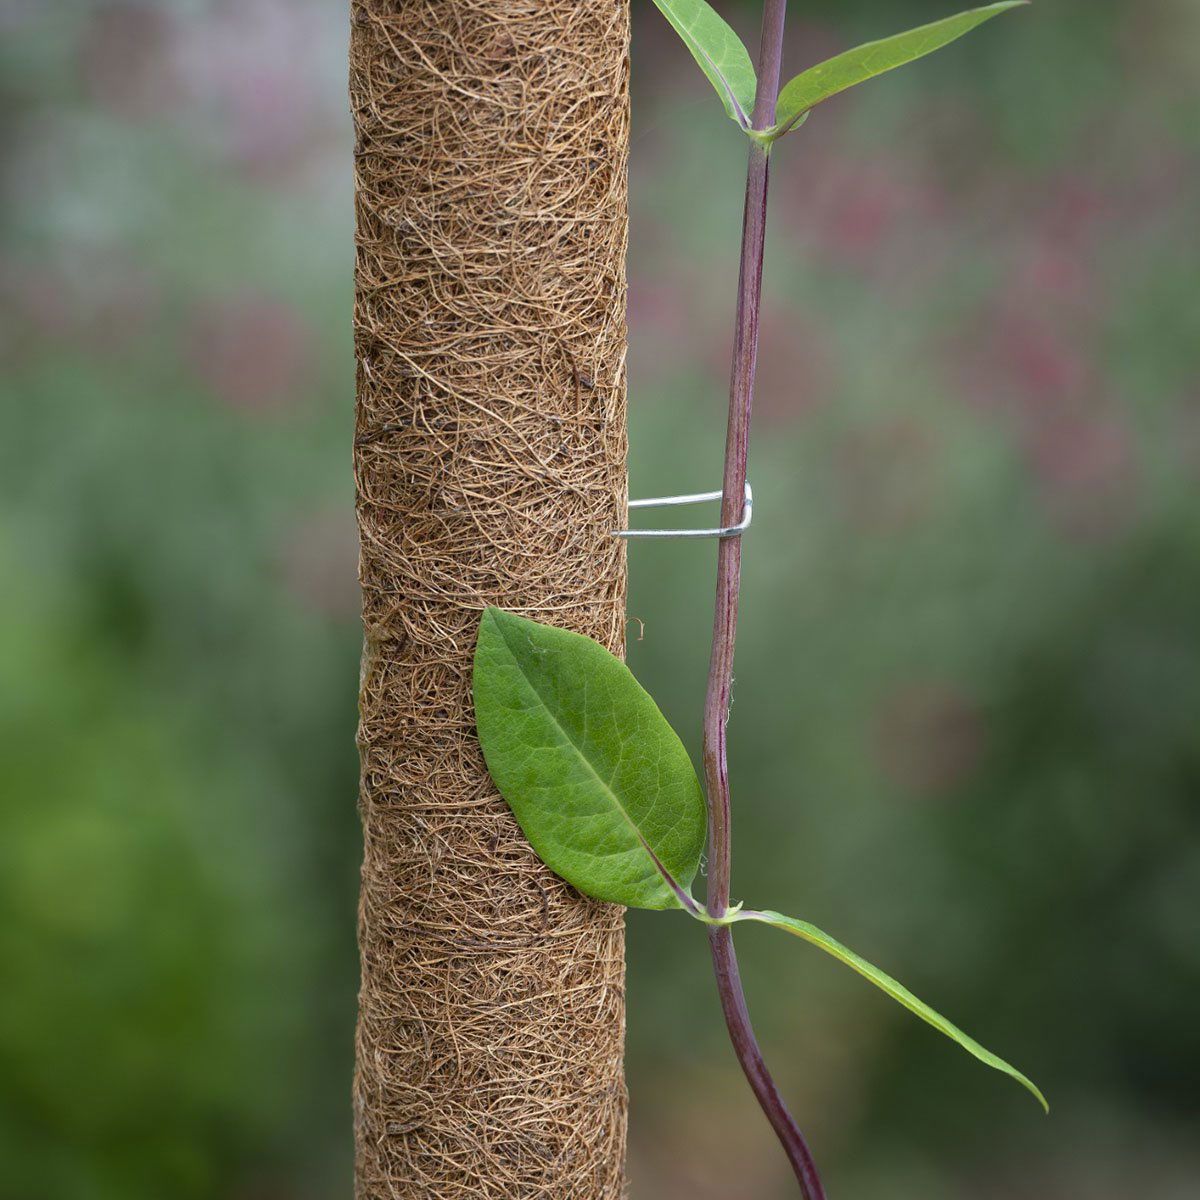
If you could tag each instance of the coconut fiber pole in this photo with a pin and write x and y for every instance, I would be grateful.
(491, 145)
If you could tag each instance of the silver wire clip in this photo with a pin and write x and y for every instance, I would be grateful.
(693, 498)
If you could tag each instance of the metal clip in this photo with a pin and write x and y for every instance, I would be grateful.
(693, 498)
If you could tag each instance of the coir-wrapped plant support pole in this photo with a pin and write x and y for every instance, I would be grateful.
(490, 157)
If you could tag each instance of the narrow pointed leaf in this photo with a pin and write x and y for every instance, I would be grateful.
(720, 53)
(599, 782)
(897, 991)
(864, 62)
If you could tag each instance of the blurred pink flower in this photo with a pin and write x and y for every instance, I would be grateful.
(252, 352)
(1075, 209)
(254, 68)
(1086, 467)
(124, 61)
(1016, 359)
(1040, 362)
(869, 212)
(797, 370)
(100, 303)
(862, 220)
(859, 210)
(1057, 273)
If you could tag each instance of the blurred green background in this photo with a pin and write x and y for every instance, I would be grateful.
(966, 736)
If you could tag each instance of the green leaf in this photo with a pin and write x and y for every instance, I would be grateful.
(864, 62)
(897, 991)
(597, 779)
(720, 53)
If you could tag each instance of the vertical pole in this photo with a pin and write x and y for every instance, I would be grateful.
(491, 210)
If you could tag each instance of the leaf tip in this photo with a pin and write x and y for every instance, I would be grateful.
(490, 632)
(498, 617)
(1027, 1083)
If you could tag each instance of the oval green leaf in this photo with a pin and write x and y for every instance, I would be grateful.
(864, 62)
(897, 991)
(598, 780)
(719, 51)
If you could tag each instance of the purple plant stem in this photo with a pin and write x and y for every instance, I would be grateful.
(745, 1046)
(729, 564)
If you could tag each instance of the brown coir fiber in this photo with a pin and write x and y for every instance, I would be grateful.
(491, 142)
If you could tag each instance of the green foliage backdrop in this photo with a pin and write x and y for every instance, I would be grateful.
(969, 671)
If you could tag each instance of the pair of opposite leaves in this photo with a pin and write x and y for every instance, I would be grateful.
(724, 59)
(605, 791)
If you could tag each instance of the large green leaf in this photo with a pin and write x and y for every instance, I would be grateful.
(720, 53)
(864, 62)
(897, 991)
(597, 779)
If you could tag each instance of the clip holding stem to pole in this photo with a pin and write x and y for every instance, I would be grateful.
(723, 531)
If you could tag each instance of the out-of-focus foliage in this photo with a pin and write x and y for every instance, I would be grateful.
(150, 974)
(964, 736)
(177, 784)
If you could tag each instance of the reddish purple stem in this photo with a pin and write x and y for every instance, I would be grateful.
(729, 563)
